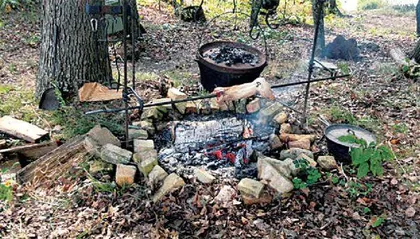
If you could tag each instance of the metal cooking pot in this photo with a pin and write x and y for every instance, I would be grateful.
(214, 75)
(340, 150)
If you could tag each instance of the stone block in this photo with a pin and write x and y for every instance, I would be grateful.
(327, 162)
(308, 159)
(146, 125)
(115, 155)
(225, 196)
(103, 136)
(280, 118)
(146, 160)
(264, 198)
(203, 176)
(285, 128)
(157, 175)
(181, 107)
(171, 183)
(281, 166)
(302, 144)
(275, 142)
(267, 113)
(141, 145)
(125, 174)
(274, 179)
(293, 153)
(137, 134)
(175, 94)
(250, 187)
(253, 106)
(192, 107)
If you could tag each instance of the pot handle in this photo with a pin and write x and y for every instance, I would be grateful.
(324, 120)
(260, 30)
(350, 131)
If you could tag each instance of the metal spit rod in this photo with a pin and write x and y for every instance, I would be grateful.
(205, 97)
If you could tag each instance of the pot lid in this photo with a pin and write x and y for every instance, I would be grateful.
(335, 131)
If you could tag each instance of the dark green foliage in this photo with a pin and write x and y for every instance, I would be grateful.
(356, 189)
(367, 157)
(310, 174)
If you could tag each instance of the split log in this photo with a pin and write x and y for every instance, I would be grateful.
(32, 151)
(91, 92)
(297, 137)
(55, 163)
(21, 129)
(259, 86)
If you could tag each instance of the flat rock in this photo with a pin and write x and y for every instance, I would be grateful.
(137, 134)
(141, 145)
(268, 113)
(203, 176)
(302, 144)
(157, 175)
(280, 118)
(225, 196)
(102, 136)
(192, 107)
(275, 142)
(146, 160)
(269, 175)
(283, 167)
(294, 153)
(125, 174)
(146, 125)
(264, 198)
(181, 107)
(327, 162)
(115, 155)
(253, 106)
(308, 159)
(171, 183)
(175, 94)
(250, 187)
(285, 128)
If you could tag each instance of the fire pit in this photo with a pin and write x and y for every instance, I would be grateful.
(223, 141)
(224, 63)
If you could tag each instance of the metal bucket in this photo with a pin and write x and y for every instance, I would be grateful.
(214, 75)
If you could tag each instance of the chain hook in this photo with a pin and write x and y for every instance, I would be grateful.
(94, 24)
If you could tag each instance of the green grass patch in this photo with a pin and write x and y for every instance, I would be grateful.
(74, 122)
(371, 4)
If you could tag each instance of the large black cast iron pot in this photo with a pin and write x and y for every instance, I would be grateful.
(340, 150)
(219, 75)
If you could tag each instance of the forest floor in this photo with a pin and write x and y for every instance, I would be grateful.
(377, 97)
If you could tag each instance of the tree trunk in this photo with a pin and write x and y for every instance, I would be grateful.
(418, 18)
(334, 8)
(321, 32)
(70, 54)
(415, 54)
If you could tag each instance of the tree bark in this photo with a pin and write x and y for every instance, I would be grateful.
(416, 53)
(418, 18)
(320, 46)
(70, 54)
